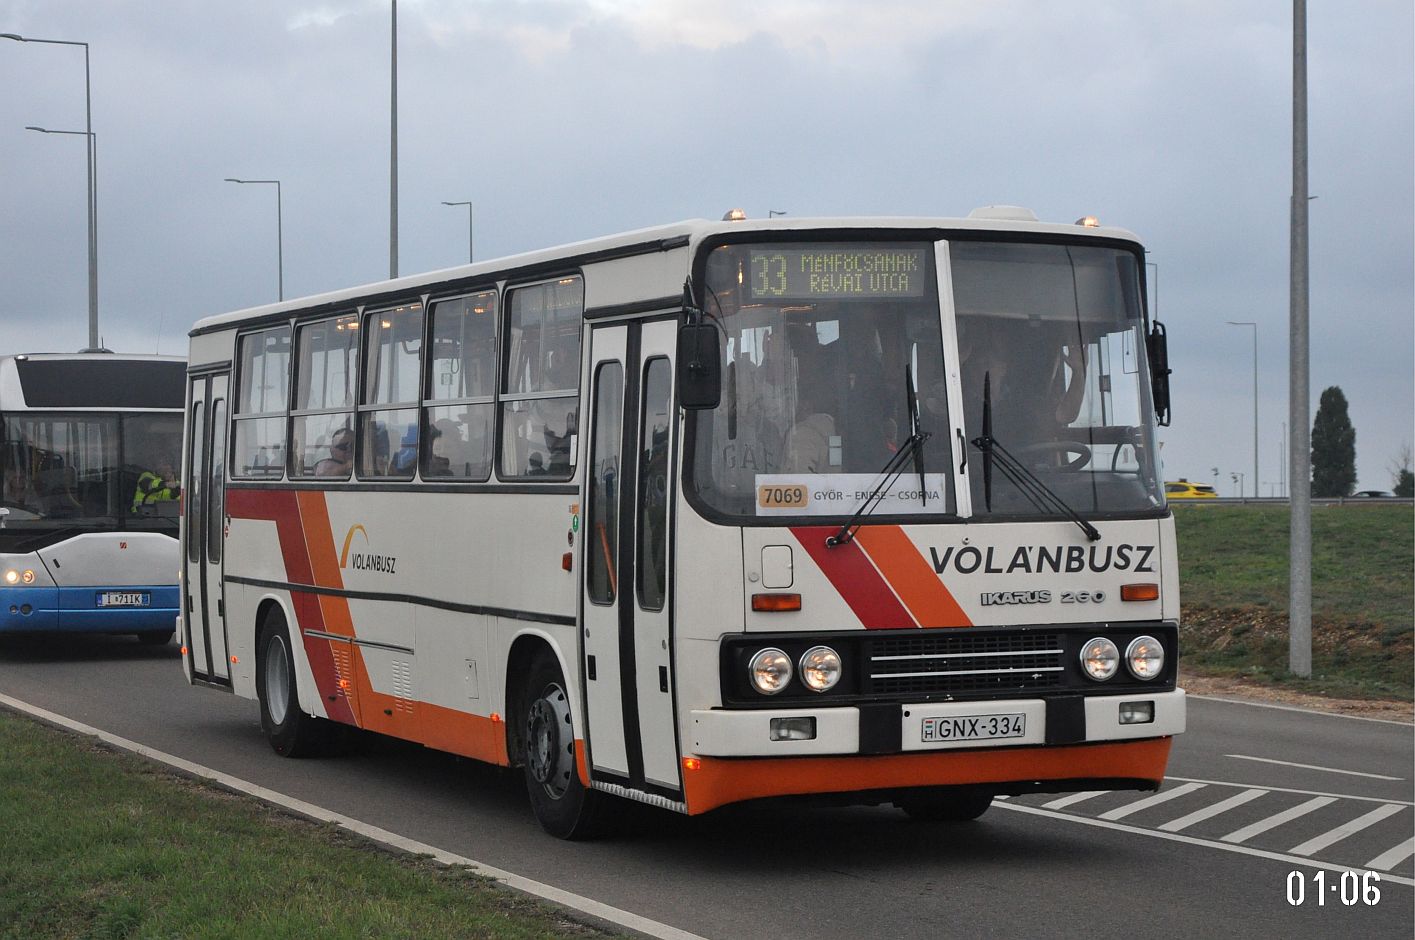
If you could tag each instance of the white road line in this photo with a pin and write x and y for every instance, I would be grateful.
(1277, 819)
(1292, 708)
(1339, 796)
(584, 905)
(1394, 857)
(1123, 811)
(1313, 846)
(1073, 798)
(1208, 812)
(1330, 770)
(1191, 840)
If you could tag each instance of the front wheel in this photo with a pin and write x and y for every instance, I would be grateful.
(291, 732)
(563, 805)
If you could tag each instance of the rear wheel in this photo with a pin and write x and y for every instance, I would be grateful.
(563, 805)
(291, 732)
(946, 804)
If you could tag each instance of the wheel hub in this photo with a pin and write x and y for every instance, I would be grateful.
(550, 749)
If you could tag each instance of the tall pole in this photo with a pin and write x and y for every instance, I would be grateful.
(92, 183)
(393, 156)
(469, 226)
(279, 231)
(1255, 396)
(1299, 391)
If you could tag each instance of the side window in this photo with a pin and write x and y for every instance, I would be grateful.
(652, 526)
(541, 379)
(602, 519)
(458, 402)
(321, 425)
(388, 416)
(262, 395)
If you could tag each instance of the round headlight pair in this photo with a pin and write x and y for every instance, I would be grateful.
(1144, 658)
(771, 670)
(15, 577)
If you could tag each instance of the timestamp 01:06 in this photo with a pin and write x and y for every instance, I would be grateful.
(1348, 888)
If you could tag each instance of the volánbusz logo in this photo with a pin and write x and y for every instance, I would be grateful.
(1038, 559)
(365, 560)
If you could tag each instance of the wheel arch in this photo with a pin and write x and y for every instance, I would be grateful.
(527, 646)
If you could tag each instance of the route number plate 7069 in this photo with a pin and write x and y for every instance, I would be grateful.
(973, 727)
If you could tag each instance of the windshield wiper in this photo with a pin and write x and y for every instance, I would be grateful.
(912, 445)
(916, 427)
(1038, 493)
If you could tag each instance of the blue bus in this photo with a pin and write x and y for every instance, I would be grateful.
(90, 493)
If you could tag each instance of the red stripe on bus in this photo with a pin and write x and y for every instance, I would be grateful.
(857, 581)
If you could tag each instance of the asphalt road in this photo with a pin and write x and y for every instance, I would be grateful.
(1211, 856)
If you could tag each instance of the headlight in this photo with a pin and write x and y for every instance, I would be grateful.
(12, 576)
(1100, 658)
(1144, 657)
(770, 671)
(820, 668)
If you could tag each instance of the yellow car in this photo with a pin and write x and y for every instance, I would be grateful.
(1183, 489)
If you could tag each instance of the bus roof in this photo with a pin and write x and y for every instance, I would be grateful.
(1000, 219)
(92, 382)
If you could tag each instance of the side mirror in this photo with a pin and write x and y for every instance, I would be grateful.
(1158, 349)
(699, 366)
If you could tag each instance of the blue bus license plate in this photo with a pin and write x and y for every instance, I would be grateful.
(124, 599)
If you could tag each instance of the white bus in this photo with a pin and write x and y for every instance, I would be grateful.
(859, 508)
(89, 490)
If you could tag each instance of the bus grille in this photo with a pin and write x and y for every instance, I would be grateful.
(963, 663)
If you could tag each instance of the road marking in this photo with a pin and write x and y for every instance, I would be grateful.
(1313, 846)
(1293, 708)
(1192, 840)
(1277, 819)
(1339, 796)
(1330, 770)
(584, 905)
(1073, 798)
(1123, 811)
(1394, 857)
(1208, 812)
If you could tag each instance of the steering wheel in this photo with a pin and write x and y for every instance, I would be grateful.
(1081, 449)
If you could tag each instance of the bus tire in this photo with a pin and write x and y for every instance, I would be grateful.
(155, 638)
(563, 805)
(945, 804)
(291, 732)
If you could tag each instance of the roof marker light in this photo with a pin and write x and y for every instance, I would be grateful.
(1089, 221)
(734, 215)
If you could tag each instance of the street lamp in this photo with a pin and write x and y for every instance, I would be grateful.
(470, 210)
(279, 229)
(1255, 396)
(772, 213)
(92, 181)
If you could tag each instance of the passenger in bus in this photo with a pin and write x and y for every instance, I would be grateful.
(1036, 381)
(19, 490)
(157, 486)
(812, 444)
(406, 459)
(341, 455)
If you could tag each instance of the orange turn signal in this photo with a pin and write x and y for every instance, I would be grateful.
(566, 560)
(692, 763)
(1139, 592)
(768, 603)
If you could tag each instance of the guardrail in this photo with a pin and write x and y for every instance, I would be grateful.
(1282, 501)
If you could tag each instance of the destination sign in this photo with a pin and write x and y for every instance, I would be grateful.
(844, 273)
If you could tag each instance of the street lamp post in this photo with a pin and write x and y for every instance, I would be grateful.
(92, 181)
(1255, 396)
(393, 150)
(470, 210)
(279, 230)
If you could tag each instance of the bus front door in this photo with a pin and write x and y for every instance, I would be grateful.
(204, 603)
(627, 664)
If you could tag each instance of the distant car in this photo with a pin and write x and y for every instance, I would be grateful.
(1183, 489)
(1374, 494)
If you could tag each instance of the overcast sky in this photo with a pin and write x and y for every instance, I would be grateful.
(566, 119)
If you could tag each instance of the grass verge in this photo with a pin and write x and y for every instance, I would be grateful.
(1234, 582)
(100, 844)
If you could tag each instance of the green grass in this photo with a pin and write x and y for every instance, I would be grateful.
(99, 844)
(1233, 564)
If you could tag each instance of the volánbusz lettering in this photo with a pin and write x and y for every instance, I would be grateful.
(1041, 559)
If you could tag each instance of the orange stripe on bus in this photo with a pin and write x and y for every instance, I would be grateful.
(911, 577)
(319, 539)
(720, 781)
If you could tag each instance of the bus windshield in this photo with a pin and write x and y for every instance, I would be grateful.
(830, 351)
(834, 355)
(91, 469)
